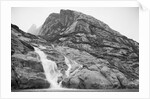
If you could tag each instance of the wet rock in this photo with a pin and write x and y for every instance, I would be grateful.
(33, 84)
(36, 66)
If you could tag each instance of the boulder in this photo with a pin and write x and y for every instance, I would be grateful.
(27, 75)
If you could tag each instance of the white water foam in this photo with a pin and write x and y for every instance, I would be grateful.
(69, 66)
(50, 69)
(71, 63)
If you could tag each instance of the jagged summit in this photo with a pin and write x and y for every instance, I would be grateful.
(67, 17)
(34, 29)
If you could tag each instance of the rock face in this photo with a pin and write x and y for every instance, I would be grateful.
(109, 59)
(100, 57)
(26, 68)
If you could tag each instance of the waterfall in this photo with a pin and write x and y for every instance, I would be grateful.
(69, 66)
(71, 63)
(50, 69)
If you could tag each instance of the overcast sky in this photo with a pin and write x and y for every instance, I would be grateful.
(123, 20)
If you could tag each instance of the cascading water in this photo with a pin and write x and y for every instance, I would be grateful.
(50, 69)
(69, 66)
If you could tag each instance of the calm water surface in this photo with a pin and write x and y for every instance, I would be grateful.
(77, 90)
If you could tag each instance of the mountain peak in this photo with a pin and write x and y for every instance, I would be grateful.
(84, 32)
(66, 18)
(34, 29)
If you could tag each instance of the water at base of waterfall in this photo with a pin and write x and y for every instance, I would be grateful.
(76, 90)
